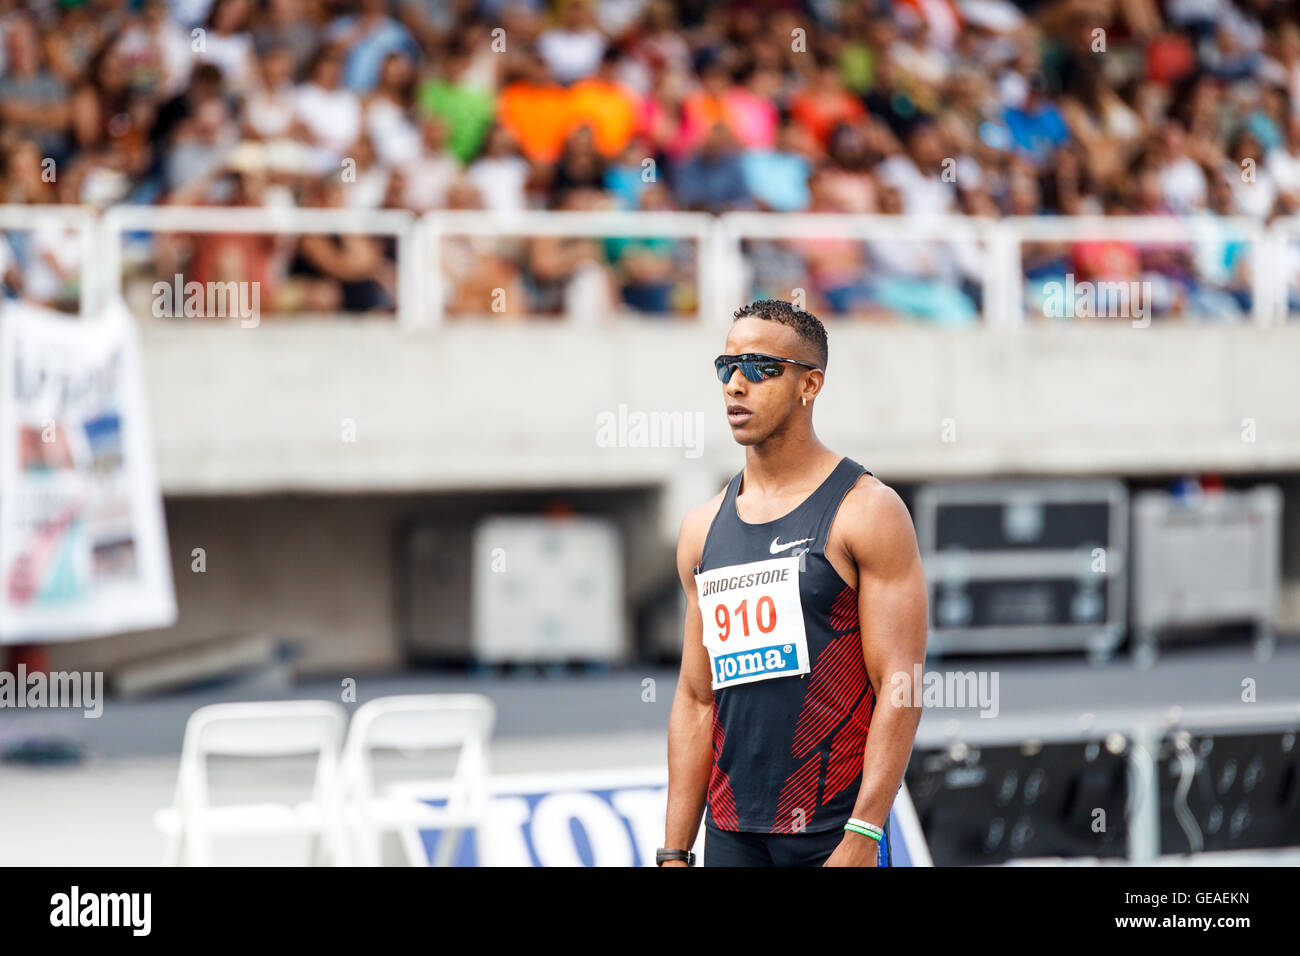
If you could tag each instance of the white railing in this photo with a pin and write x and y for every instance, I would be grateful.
(1187, 230)
(734, 228)
(436, 227)
(722, 272)
(1276, 256)
(279, 220)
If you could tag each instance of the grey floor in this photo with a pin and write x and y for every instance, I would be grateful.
(100, 811)
(624, 701)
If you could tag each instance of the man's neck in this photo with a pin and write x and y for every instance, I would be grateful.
(787, 462)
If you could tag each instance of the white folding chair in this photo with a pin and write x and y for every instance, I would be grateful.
(417, 723)
(256, 730)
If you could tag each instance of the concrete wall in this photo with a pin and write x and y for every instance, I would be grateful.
(300, 526)
(473, 407)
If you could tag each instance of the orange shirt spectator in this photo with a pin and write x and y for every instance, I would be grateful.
(819, 114)
(701, 111)
(610, 109)
(537, 116)
(823, 104)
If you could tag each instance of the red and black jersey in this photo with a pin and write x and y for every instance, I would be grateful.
(787, 746)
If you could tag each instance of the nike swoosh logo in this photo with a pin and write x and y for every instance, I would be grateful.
(778, 548)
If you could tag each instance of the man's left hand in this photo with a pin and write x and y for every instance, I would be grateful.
(854, 850)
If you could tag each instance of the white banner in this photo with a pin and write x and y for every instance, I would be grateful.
(83, 545)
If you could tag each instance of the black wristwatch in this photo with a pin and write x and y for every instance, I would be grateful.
(663, 856)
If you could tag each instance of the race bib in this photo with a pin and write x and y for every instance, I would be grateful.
(753, 621)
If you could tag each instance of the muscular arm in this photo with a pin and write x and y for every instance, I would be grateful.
(690, 725)
(893, 614)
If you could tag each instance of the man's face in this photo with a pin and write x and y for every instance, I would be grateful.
(719, 141)
(575, 14)
(23, 46)
(757, 410)
(925, 146)
(278, 67)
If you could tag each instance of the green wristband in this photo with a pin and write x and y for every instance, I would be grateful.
(854, 828)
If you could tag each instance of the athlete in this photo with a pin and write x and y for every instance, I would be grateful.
(804, 595)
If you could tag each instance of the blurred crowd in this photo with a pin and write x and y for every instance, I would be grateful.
(979, 107)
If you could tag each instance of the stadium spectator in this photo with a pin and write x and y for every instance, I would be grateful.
(917, 173)
(220, 257)
(205, 84)
(708, 105)
(388, 112)
(79, 35)
(227, 44)
(602, 103)
(24, 183)
(481, 278)
(580, 167)
(285, 23)
(574, 47)
(824, 103)
(630, 175)
(430, 174)
(846, 177)
(329, 111)
(465, 107)
(928, 106)
(1254, 192)
(201, 144)
(645, 268)
(1037, 127)
(349, 273)
(269, 105)
(1284, 165)
(714, 180)
(156, 49)
(33, 100)
(365, 179)
(105, 114)
(778, 178)
(534, 109)
(367, 38)
(1182, 180)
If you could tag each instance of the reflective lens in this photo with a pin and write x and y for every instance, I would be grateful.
(756, 368)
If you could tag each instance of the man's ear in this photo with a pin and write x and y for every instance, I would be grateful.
(813, 384)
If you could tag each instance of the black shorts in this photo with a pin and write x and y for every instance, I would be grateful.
(729, 848)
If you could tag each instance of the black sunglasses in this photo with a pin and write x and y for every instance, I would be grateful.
(754, 366)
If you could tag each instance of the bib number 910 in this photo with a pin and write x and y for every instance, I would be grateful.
(764, 615)
(753, 621)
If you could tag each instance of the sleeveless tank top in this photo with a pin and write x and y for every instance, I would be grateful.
(792, 703)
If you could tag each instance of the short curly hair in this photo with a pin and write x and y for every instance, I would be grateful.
(807, 325)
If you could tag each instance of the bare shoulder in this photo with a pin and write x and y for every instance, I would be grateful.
(876, 524)
(694, 529)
